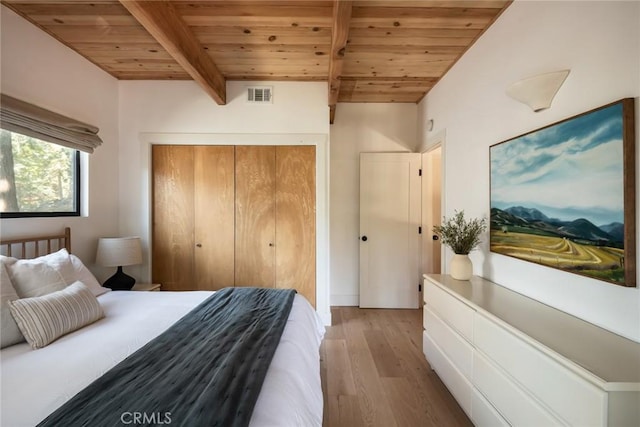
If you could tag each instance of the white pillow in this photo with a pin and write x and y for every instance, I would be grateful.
(42, 275)
(46, 318)
(85, 276)
(9, 332)
(7, 260)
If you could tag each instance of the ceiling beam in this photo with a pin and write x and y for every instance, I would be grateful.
(163, 22)
(339, 36)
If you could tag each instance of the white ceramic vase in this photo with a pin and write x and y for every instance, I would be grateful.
(461, 267)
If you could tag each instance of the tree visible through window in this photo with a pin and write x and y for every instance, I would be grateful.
(37, 178)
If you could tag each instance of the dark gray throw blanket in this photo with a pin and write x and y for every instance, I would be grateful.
(206, 370)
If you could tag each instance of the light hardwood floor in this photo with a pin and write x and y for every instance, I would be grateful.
(374, 373)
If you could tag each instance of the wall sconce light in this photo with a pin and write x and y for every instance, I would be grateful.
(538, 91)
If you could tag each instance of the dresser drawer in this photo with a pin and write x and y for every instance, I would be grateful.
(452, 344)
(571, 397)
(457, 384)
(515, 405)
(450, 309)
(483, 414)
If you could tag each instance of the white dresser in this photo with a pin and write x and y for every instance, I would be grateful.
(510, 360)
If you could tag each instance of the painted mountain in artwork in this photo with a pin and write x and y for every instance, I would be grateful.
(578, 246)
(615, 229)
(528, 214)
(533, 221)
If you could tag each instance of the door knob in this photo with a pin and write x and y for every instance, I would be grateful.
(199, 245)
(270, 244)
(435, 237)
(364, 238)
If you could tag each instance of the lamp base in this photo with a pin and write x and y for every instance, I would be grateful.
(120, 281)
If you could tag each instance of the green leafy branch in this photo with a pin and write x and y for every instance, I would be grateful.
(461, 235)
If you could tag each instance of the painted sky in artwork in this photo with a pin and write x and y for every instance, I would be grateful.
(568, 171)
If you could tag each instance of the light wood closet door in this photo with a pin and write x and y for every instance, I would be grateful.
(214, 195)
(193, 217)
(255, 216)
(173, 221)
(296, 219)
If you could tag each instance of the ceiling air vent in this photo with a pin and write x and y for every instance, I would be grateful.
(260, 94)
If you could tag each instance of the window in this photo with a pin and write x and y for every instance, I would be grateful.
(37, 178)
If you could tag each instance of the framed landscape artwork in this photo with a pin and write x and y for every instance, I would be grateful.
(564, 195)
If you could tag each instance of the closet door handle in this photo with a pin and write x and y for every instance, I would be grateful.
(271, 244)
(198, 245)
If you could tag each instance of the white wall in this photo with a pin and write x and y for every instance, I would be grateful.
(38, 69)
(182, 113)
(359, 128)
(600, 43)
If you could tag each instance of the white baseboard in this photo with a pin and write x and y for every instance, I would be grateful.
(326, 317)
(345, 300)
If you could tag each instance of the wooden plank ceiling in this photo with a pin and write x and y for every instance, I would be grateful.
(368, 51)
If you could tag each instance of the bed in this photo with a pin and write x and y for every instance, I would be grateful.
(35, 383)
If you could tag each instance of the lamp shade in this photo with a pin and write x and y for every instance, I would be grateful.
(538, 91)
(119, 251)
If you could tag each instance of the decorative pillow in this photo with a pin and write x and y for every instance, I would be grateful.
(9, 333)
(42, 275)
(85, 276)
(7, 260)
(46, 318)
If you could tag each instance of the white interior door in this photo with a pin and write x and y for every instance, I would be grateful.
(389, 221)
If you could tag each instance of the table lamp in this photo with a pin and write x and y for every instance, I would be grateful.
(119, 252)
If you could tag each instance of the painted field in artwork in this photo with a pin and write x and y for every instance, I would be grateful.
(596, 261)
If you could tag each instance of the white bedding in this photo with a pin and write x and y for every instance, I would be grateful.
(37, 382)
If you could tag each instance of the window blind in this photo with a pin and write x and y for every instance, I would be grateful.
(36, 122)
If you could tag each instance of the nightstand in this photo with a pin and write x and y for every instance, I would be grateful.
(146, 287)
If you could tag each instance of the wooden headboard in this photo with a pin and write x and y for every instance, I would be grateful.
(33, 247)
